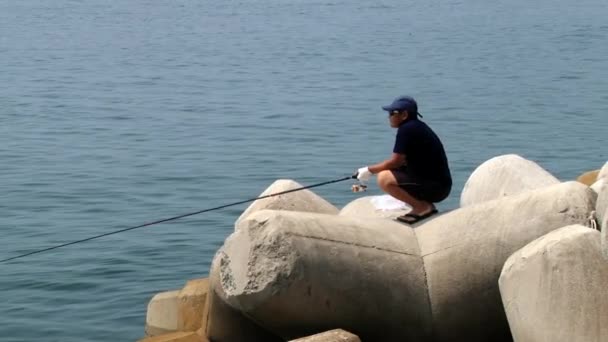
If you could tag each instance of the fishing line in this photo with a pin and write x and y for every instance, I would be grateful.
(176, 218)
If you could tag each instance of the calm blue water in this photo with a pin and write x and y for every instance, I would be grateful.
(116, 113)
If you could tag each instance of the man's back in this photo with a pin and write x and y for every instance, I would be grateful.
(424, 151)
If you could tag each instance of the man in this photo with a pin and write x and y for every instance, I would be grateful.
(417, 172)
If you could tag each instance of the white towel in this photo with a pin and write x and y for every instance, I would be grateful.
(388, 202)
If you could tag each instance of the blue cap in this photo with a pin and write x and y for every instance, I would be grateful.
(403, 103)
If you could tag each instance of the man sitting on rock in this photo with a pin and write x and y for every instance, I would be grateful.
(417, 172)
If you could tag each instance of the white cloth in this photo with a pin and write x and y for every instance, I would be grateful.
(388, 202)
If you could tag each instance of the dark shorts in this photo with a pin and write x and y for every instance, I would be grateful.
(421, 189)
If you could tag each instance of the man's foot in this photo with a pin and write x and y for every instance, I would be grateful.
(413, 218)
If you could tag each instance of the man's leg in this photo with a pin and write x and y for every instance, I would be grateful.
(388, 183)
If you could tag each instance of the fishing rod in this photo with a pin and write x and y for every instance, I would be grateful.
(177, 217)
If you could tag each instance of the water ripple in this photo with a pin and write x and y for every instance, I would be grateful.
(118, 113)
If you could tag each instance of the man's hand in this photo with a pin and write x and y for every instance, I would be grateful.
(363, 174)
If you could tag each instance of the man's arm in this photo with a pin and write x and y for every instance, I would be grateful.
(396, 160)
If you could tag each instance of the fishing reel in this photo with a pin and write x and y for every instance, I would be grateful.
(358, 186)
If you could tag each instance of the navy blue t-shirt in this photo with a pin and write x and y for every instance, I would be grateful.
(424, 152)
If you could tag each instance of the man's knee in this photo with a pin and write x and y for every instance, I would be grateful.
(386, 179)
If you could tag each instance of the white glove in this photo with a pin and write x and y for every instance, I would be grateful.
(363, 174)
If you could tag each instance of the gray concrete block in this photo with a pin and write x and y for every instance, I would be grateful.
(598, 185)
(464, 251)
(180, 336)
(302, 273)
(226, 324)
(554, 289)
(302, 200)
(604, 234)
(297, 273)
(191, 303)
(502, 176)
(161, 316)
(336, 335)
(601, 205)
(603, 172)
(588, 177)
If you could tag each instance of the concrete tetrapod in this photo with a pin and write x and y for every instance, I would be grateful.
(224, 323)
(601, 206)
(162, 313)
(588, 177)
(602, 180)
(297, 274)
(603, 172)
(179, 336)
(502, 176)
(464, 251)
(302, 200)
(301, 273)
(554, 289)
(604, 232)
(337, 335)
(598, 185)
(192, 299)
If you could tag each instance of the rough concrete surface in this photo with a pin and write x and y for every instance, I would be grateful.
(598, 185)
(175, 337)
(464, 251)
(554, 289)
(336, 335)
(601, 206)
(588, 177)
(302, 200)
(226, 324)
(298, 274)
(603, 172)
(604, 233)
(161, 315)
(191, 303)
(502, 176)
(202, 331)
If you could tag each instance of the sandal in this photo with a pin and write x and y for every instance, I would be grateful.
(413, 218)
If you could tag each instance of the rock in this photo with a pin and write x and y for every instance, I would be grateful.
(365, 207)
(175, 337)
(554, 289)
(161, 316)
(504, 175)
(601, 213)
(337, 335)
(297, 274)
(588, 177)
(602, 202)
(604, 233)
(603, 172)
(302, 200)
(191, 302)
(202, 331)
(224, 323)
(464, 252)
(597, 186)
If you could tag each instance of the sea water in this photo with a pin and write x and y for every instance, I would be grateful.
(117, 113)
